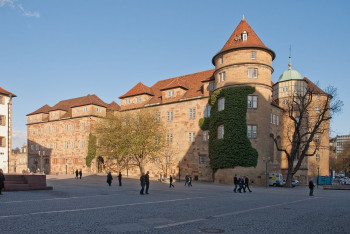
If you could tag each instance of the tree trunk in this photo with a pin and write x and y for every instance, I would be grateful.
(290, 174)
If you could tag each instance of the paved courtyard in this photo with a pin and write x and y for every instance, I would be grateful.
(90, 206)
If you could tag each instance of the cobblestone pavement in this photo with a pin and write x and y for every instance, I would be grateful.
(90, 206)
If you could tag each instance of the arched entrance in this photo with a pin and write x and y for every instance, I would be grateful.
(100, 164)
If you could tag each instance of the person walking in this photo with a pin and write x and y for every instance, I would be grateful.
(120, 179)
(311, 187)
(2, 181)
(241, 183)
(80, 173)
(109, 178)
(246, 184)
(171, 182)
(235, 182)
(147, 181)
(186, 180)
(76, 174)
(143, 182)
(189, 181)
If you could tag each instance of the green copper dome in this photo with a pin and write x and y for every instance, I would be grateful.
(290, 74)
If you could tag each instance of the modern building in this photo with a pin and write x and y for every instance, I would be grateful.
(5, 128)
(19, 160)
(180, 103)
(340, 140)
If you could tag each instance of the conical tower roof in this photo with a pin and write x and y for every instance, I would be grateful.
(236, 40)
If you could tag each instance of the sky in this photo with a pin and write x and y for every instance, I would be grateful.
(56, 50)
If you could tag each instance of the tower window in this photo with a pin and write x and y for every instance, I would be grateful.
(251, 131)
(221, 59)
(222, 76)
(211, 86)
(221, 132)
(253, 54)
(252, 73)
(244, 36)
(252, 101)
(221, 105)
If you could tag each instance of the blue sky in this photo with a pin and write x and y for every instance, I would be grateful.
(56, 50)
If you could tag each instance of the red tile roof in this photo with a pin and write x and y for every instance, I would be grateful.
(138, 90)
(66, 105)
(113, 106)
(313, 87)
(236, 41)
(4, 91)
(192, 82)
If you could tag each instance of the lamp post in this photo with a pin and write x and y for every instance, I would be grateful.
(266, 172)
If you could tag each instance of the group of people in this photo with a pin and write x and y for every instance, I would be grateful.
(242, 182)
(110, 178)
(188, 181)
(78, 174)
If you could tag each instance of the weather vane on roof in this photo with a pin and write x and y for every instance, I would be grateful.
(290, 56)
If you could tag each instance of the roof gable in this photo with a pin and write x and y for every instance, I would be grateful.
(137, 90)
(44, 109)
(4, 91)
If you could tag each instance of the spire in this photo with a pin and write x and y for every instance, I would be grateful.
(243, 17)
(290, 57)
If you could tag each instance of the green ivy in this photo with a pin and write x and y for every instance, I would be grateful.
(91, 150)
(235, 148)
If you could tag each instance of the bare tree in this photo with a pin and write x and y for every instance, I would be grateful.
(130, 139)
(304, 121)
(342, 162)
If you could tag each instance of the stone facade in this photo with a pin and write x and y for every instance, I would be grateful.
(179, 103)
(19, 160)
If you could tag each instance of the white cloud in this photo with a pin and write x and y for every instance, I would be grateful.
(28, 13)
(14, 4)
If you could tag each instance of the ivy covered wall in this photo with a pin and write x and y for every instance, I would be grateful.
(91, 150)
(235, 148)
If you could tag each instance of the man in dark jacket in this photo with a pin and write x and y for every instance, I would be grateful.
(120, 178)
(235, 182)
(246, 184)
(311, 187)
(147, 181)
(171, 182)
(241, 184)
(76, 174)
(80, 173)
(143, 182)
(109, 178)
(2, 181)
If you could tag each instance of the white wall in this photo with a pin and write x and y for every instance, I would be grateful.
(4, 157)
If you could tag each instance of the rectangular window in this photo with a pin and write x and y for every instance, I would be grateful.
(222, 76)
(192, 113)
(66, 145)
(285, 89)
(157, 116)
(98, 109)
(138, 99)
(37, 147)
(171, 93)
(271, 117)
(54, 129)
(82, 144)
(66, 127)
(221, 105)
(169, 138)
(205, 136)
(72, 144)
(221, 132)
(49, 146)
(48, 130)
(38, 116)
(202, 159)
(253, 54)
(251, 131)
(317, 138)
(252, 73)
(221, 59)
(252, 101)
(317, 157)
(317, 109)
(277, 120)
(2, 142)
(82, 126)
(211, 86)
(55, 145)
(72, 127)
(76, 110)
(169, 115)
(2, 120)
(127, 101)
(191, 136)
(274, 119)
(207, 111)
(85, 109)
(53, 114)
(1, 100)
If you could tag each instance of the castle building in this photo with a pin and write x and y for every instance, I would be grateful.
(5, 128)
(58, 135)
(19, 160)
(181, 102)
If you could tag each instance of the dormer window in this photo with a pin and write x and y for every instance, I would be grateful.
(211, 86)
(171, 93)
(138, 99)
(76, 110)
(127, 101)
(53, 114)
(244, 36)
